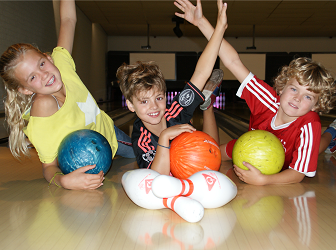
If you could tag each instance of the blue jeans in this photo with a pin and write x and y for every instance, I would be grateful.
(125, 148)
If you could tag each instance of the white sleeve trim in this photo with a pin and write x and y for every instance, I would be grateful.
(308, 174)
(243, 84)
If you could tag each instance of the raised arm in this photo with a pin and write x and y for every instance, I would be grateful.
(68, 23)
(227, 53)
(208, 58)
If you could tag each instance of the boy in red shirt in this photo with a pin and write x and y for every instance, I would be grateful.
(288, 111)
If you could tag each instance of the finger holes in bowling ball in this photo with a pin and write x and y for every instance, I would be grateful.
(193, 152)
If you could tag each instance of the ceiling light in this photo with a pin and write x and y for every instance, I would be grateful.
(178, 32)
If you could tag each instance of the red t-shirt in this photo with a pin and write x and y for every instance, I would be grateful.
(300, 138)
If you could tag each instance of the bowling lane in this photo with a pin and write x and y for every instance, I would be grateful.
(36, 216)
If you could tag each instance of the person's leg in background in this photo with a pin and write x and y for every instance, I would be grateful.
(125, 148)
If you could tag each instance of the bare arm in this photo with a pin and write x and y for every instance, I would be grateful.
(227, 53)
(161, 162)
(77, 179)
(68, 24)
(208, 58)
(255, 177)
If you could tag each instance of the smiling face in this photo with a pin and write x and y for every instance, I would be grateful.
(37, 74)
(149, 106)
(296, 101)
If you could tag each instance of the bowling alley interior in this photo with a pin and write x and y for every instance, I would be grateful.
(266, 34)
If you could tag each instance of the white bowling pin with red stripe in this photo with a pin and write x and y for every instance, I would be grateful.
(211, 188)
(137, 185)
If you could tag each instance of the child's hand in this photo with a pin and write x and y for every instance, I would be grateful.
(222, 18)
(78, 179)
(171, 132)
(193, 14)
(252, 176)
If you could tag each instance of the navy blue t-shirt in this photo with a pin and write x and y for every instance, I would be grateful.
(180, 111)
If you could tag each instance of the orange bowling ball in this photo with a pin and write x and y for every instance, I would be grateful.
(193, 152)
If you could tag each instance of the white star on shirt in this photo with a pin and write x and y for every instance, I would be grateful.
(90, 109)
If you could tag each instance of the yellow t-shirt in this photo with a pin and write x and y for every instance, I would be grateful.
(79, 111)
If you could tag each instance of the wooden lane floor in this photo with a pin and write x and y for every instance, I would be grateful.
(36, 216)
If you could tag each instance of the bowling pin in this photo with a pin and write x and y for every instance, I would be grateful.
(211, 188)
(137, 185)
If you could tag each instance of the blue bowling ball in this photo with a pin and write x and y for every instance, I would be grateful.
(84, 147)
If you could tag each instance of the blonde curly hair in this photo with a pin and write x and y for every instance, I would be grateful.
(313, 75)
(15, 102)
(138, 77)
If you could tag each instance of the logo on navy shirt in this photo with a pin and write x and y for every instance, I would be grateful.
(148, 156)
(187, 96)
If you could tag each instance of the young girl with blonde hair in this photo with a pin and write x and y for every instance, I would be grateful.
(46, 100)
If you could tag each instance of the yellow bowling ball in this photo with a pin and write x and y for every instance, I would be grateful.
(261, 149)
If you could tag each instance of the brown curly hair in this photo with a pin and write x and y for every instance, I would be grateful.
(139, 77)
(313, 75)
